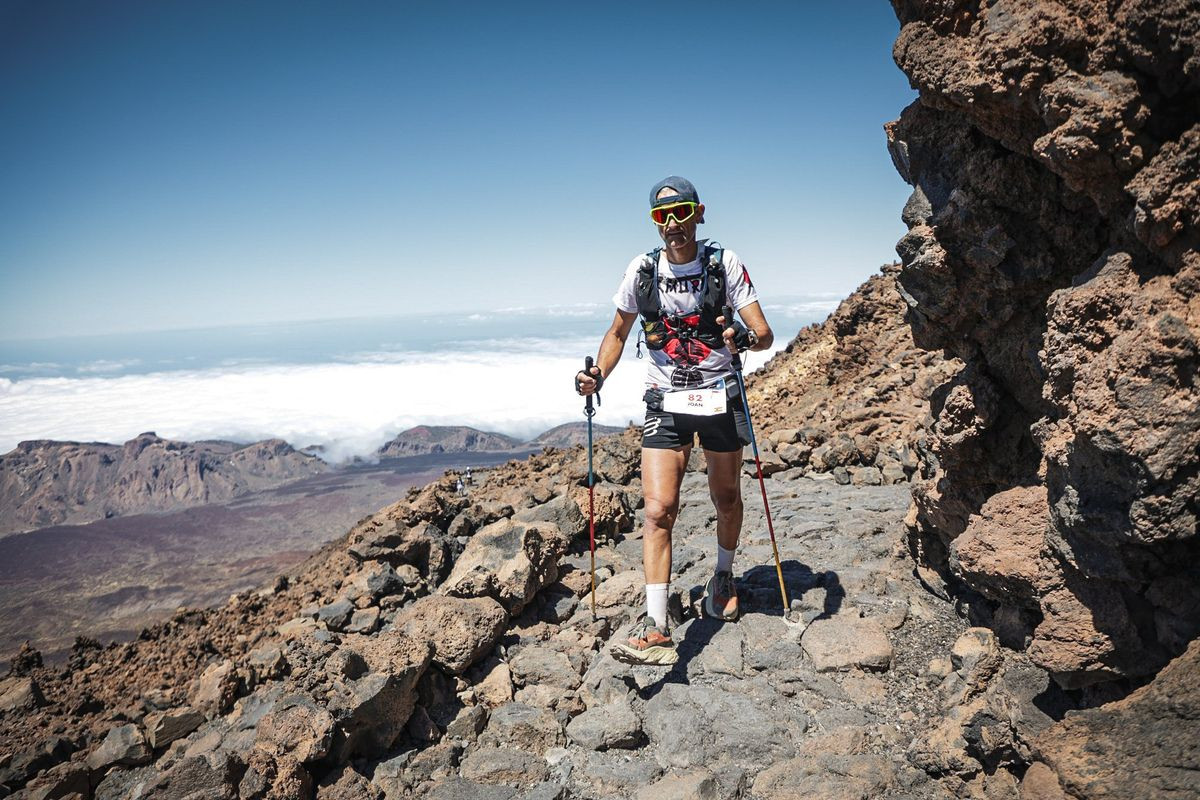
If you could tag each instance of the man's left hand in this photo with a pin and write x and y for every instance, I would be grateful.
(737, 336)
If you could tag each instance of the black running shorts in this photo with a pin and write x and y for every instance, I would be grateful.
(721, 433)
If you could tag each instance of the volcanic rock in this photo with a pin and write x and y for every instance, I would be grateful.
(123, 746)
(509, 561)
(1053, 247)
(461, 630)
(20, 694)
(164, 727)
(847, 641)
(1141, 746)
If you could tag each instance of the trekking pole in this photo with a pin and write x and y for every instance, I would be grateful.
(737, 367)
(590, 412)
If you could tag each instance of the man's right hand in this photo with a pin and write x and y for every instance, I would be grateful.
(586, 384)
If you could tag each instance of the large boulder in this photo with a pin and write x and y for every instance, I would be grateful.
(508, 560)
(462, 630)
(522, 727)
(296, 726)
(1142, 746)
(20, 694)
(561, 511)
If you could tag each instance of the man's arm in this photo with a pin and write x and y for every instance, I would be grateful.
(611, 348)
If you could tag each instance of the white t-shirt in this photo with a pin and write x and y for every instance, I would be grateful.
(693, 365)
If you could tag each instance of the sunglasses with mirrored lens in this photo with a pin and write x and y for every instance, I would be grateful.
(682, 212)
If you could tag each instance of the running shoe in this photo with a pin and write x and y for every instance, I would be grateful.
(720, 597)
(650, 644)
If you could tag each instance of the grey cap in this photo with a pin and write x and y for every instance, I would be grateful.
(684, 190)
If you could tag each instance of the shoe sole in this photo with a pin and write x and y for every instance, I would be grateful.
(711, 611)
(651, 655)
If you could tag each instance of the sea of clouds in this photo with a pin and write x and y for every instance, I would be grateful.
(348, 405)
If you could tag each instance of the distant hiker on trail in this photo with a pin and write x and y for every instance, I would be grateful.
(679, 290)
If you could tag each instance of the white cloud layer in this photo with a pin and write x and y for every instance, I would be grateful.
(349, 408)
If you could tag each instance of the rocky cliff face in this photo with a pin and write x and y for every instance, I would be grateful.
(1055, 159)
(46, 483)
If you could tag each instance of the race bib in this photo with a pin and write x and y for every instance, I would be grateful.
(698, 402)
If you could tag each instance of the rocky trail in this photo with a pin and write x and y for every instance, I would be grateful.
(379, 679)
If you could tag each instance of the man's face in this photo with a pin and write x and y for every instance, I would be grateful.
(678, 235)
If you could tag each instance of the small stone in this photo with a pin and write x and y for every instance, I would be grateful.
(336, 615)
(468, 723)
(538, 664)
(296, 628)
(939, 667)
(603, 727)
(267, 663)
(20, 694)
(124, 746)
(523, 727)
(215, 689)
(621, 589)
(699, 784)
(363, 621)
(843, 641)
(164, 727)
(503, 765)
(865, 476)
(496, 688)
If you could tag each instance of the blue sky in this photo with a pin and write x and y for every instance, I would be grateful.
(187, 164)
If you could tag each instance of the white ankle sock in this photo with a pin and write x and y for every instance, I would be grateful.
(725, 559)
(656, 601)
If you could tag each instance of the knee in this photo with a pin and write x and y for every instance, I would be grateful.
(727, 501)
(660, 515)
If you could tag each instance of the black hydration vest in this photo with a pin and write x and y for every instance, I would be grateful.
(701, 322)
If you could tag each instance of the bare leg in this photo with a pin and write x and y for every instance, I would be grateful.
(662, 473)
(725, 488)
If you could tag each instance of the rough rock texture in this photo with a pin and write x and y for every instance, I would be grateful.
(1052, 247)
(851, 391)
(1142, 746)
(46, 483)
(508, 560)
(461, 630)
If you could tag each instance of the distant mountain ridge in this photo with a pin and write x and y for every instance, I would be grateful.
(45, 482)
(572, 433)
(445, 439)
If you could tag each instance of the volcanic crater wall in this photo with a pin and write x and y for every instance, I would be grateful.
(1054, 154)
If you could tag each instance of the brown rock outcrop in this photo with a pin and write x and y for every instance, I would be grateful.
(1053, 247)
(852, 391)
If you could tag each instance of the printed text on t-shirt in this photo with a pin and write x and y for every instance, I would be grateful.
(685, 283)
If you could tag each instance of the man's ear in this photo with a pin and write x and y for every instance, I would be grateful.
(700, 211)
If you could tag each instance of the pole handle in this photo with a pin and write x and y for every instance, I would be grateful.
(727, 313)
(588, 363)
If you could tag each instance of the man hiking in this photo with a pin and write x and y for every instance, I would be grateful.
(679, 291)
